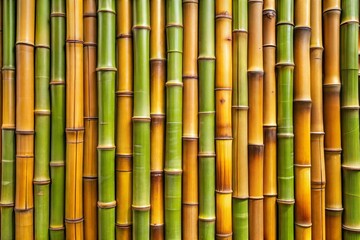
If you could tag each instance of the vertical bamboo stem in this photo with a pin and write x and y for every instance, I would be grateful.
(190, 121)
(124, 95)
(7, 187)
(90, 121)
(206, 63)
(141, 120)
(57, 142)
(106, 73)
(24, 119)
(331, 88)
(350, 117)
(74, 120)
(174, 108)
(157, 108)
(223, 91)
(42, 120)
(255, 138)
(317, 127)
(240, 108)
(270, 188)
(285, 136)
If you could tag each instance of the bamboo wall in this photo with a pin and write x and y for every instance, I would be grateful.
(179, 119)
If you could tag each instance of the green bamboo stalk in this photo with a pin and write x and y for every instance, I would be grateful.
(7, 187)
(240, 124)
(141, 120)
(285, 148)
(42, 119)
(57, 142)
(106, 73)
(206, 63)
(173, 148)
(350, 118)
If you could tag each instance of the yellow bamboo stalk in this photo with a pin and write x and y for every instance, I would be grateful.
(157, 108)
(25, 119)
(124, 94)
(332, 86)
(270, 180)
(91, 121)
(302, 118)
(74, 121)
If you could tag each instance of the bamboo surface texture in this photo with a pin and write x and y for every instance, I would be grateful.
(240, 108)
(317, 126)
(206, 64)
(124, 96)
(350, 117)
(157, 111)
(223, 132)
(90, 172)
(57, 138)
(7, 186)
(42, 120)
(270, 187)
(190, 121)
(25, 39)
(74, 121)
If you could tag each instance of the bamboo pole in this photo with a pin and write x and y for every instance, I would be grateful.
(190, 121)
(270, 188)
(24, 228)
(57, 142)
(90, 121)
(1, 83)
(223, 91)
(206, 63)
(141, 120)
(350, 118)
(157, 108)
(124, 95)
(255, 131)
(317, 126)
(7, 187)
(285, 136)
(174, 96)
(42, 120)
(106, 73)
(331, 88)
(302, 120)
(240, 120)
(74, 121)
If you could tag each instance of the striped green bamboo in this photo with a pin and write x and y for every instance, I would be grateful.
(57, 142)
(240, 120)
(42, 119)
(206, 62)
(350, 118)
(285, 148)
(141, 120)
(106, 67)
(7, 187)
(173, 148)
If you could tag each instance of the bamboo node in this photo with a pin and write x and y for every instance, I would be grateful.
(350, 107)
(190, 1)
(284, 23)
(269, 45)
(107, 147)
(339, 210)
(124, 93)
(349, 21)
(240, 107)
(106, 11)
(207, 219)
(285, 135)
(89, 14)
(90, 44)
(11, 204)
(317, 133)
(8, 68)
(175, 25)
(206, 58)
(156, 173)
(255, 72)
(269, 13)
(24, 132)
(333, 150)
(157, 225)
(44, 112)
(56, 82)
(145, 27)
(105, 205)
(157, 115)
(61, 228)
(224, 138)
(284, 64)
(222, 15)
(172, 171)
(123, 225)
(270, 125)
(331, 9)
(8, 127)
(141, 119)
(224, 235)
(207, 155)
(302, 28)
(90, 118)
(351, 229)
(73, 221)
(41, 182)
(189, 77)
(173, 84)
(207, 113)
(238, 31)
(300, 165)
(256, 198)
(270, 195)
(223, 191)
(350, 168)
(42, 46)
(74, 41)
(89, 178)
(30, 44)
(285, 201)
(124, 155)
(223, 89)
(106, 69)
(57, 14)
(190, 138)
(190, 204)
(124, 35)
(141, 208)
(304, 225)
(57, 164)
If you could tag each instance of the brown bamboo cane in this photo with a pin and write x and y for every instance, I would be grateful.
(24, 119)
(317, 127)
(223, 92)
(90, 179)
(124, 95)
(74, 121)
(331, 88)
(255, 138)
(190, 121)
(158, 76)
(302, 118)
(270, 180)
